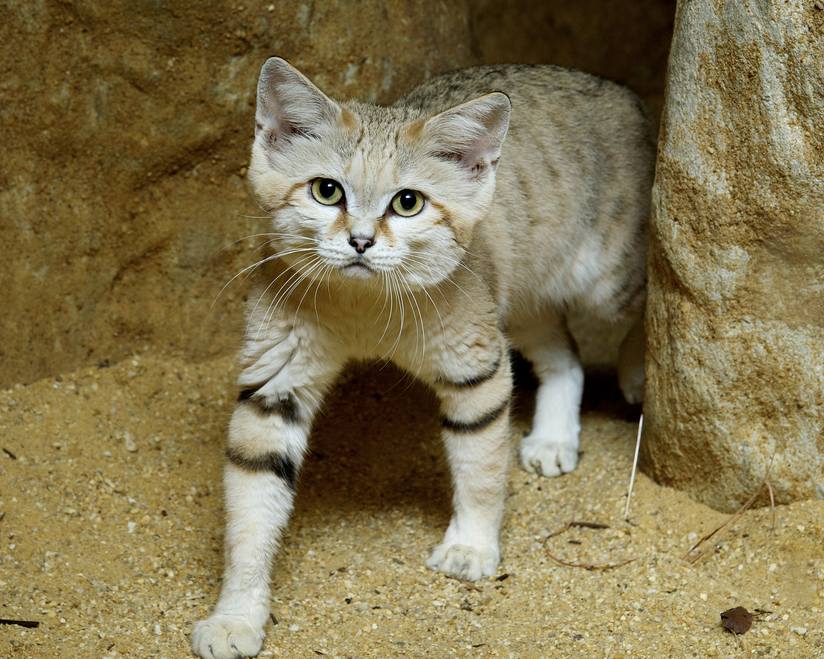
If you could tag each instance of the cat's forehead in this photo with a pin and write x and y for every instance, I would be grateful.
(378, 147)
(378, 127)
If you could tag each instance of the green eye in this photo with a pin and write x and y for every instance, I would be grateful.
(407, 203)
(326, 191)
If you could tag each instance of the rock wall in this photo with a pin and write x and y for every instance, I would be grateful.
(624, 40)
(125, 130)
(735, 317)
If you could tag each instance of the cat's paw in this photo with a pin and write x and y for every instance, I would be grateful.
(463, 561)
(548, 458)
(226, 637)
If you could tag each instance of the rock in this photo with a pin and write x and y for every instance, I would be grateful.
(735, 316)
(129, 443)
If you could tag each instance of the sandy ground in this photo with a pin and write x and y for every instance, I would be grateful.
(111, 538)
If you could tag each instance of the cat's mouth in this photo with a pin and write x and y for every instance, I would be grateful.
(357, 269)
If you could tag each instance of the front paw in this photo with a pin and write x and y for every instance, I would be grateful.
(463, 561)
(226, 637)
(548, 457)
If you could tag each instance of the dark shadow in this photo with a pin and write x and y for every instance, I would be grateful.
(376, 446)
(377, 443)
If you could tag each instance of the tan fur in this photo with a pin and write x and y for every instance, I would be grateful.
(535, 211)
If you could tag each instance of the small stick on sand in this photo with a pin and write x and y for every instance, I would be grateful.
(764, 484)
(574, 523)
(772, 505)
(729, 520)
(634, 466)
(591, 566)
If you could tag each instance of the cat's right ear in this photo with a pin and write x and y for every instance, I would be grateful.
(288, 104)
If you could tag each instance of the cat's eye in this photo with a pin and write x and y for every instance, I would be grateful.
(326, 191)
(407, 203)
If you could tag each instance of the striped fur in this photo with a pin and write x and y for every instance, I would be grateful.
(281, 465)
(285, 406)
(475, 425)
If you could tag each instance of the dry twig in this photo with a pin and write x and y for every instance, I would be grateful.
(634, 465)
(591, 566)
(727, 522)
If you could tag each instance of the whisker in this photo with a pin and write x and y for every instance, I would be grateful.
(319, 268)
(288, 287)
(447, 278)
(300, 261)
(257, 264)
(434, 306)
(273, 305)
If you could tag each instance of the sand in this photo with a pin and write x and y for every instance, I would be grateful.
(111, 528)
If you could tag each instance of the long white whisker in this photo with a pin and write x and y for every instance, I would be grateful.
(248, 268)
(300, 261)
(423, 329)
(292, 283)
(447, 278)
(318, 268)
(396, 289)
(426, 292)
(323, 275)
(387, 294)
(284, 290)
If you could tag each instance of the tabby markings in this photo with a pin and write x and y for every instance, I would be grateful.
(477, 425)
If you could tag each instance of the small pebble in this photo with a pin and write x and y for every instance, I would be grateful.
(129, 442)
(801, 631)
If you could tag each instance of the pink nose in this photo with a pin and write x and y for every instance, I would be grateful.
(360, 243)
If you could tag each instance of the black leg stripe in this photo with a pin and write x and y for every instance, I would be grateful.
(274, 462)
(478, 424)
(475, 380)
(286, 406)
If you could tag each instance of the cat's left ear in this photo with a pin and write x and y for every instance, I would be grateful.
(471, 133)
(288, 104)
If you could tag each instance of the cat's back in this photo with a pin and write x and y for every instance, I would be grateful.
(543, 97)
(572, 185)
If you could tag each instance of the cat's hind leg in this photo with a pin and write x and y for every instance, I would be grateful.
(631, 363)
(551, 447)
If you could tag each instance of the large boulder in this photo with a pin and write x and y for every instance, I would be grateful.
(735, 316)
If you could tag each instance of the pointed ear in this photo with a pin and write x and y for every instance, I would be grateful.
(289, 104)
(471, 133)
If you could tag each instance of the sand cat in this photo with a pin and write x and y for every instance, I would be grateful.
(477, 214)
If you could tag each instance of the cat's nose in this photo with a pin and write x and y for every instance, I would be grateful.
(361, 243)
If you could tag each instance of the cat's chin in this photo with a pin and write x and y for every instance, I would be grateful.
(357, 271)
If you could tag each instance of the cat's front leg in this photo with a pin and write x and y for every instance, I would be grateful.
(475, 420)
(268, 433)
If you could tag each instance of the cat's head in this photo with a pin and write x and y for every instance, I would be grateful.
(369, 193)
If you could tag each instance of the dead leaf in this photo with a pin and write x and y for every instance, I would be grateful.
(737, 620)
